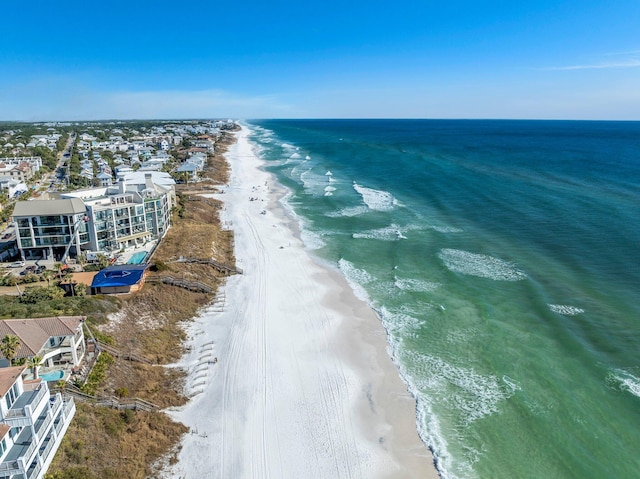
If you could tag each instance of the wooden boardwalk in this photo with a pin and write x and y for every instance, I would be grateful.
(112, 402)
(121, 354)
(196, 286)
(221, 267)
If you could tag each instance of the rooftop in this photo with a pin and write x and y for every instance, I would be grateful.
(8, 376)
(49, 207)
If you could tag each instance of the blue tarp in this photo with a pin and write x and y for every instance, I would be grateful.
(119, 275)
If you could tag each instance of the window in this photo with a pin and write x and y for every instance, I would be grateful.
(11, 396)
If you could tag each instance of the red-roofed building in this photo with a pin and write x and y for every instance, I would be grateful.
(59, 340)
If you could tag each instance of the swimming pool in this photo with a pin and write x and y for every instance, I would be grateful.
(52, 376)
(137, 258)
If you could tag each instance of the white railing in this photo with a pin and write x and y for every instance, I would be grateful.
(9, 466)
(26, 457)
(44, 454)
(20, 412)
(44, 426)
(35, 472)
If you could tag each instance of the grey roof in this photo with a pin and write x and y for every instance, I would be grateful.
(157, 177)
(187, 167)
(49, 207)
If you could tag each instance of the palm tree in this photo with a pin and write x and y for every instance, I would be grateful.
(48, 274)
(34, 363)
(80, 289)
(58, 268)
(9, 347)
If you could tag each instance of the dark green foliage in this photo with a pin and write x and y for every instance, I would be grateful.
(49, 158)
(161, 266)
(122, 392)
(8, 280)
(38, 294)
(98, 374)
(96, 308)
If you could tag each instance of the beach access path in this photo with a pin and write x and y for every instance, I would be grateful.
(288, 371)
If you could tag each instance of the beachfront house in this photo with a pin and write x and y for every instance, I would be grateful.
(59, 341)
(32, 425)
(188, 171)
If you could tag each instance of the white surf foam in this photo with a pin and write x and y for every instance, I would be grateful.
(416, 285)
(328, 190)
(388, 233)
(565, 310)
(312, 182)
(310, 239)
(626, 381)
(349, 212)
(480, 265)
(399, 321)
(473, 395)
(445, 229)
(376, 199)
(356, 278)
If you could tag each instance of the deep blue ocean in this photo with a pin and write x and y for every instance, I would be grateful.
(503, 258)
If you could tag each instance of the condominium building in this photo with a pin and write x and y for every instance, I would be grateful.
(105, 219)
(46, 228)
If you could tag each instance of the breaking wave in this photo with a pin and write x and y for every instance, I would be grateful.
(625, 381)
(473, 395)
(416, 285)
(356, 278)
(376, 199)
(480, 265)
(388, 233)
(565, 309)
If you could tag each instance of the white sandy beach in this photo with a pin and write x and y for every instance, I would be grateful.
(303, 386)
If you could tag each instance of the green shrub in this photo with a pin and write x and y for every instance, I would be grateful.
(161, 266)
(98, 374)
(122, 392)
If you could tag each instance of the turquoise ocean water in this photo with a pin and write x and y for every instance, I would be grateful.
(503, 258)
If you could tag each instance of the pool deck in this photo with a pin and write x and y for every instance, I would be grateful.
(125, 256)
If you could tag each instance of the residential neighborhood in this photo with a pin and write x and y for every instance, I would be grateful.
(98, 189)
(83, 207)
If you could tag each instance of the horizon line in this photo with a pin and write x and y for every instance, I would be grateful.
(107, 120)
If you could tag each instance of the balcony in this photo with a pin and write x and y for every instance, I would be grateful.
(22, 452)
(17, 415)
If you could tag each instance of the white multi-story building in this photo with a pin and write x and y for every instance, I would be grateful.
(45, 228)
(104, 219)
(32, 425)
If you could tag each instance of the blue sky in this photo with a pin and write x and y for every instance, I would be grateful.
(78, 60)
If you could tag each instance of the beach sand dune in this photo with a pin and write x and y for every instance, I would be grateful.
(288, 370)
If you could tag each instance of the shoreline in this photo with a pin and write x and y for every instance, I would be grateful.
(302, 385)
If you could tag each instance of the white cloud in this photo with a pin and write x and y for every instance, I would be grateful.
(630, 62)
